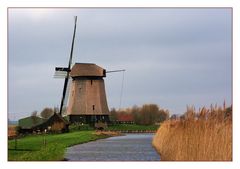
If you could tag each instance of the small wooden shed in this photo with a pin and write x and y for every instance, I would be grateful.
(55, 124)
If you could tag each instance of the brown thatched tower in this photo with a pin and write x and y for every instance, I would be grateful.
(87, 97)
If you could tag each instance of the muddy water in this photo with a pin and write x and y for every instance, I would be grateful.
(130, 147)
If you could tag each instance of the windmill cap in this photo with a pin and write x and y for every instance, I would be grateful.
(86, 70)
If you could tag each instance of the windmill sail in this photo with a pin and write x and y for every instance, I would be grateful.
(68, 69)
(66, 99)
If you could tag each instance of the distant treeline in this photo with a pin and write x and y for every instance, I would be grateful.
(147, 114)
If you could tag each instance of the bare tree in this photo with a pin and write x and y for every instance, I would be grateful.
(113, 114)
(146, 115)
(56, 110)
(149, 114)
(34, 113)
(34, 117)
(47, 112)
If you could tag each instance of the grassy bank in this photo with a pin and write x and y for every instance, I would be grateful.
(33, 148)
(132, 127)
(202, 136)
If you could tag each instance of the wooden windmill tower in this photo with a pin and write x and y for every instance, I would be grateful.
(87, 97)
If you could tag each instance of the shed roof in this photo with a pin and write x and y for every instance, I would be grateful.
(30, 122)
(34, 121)
(87, 69)
(58, 116)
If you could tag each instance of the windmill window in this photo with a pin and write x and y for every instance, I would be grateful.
(93, 107)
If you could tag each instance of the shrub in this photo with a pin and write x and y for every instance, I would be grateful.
(80, 127)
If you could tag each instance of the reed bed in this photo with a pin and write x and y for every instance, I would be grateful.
(205, 135)
(12, 131)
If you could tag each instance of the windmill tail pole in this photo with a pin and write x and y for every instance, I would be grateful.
(121, 93)
(69, 66)
(112, 71)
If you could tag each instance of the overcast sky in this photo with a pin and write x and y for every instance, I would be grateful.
(173, 57)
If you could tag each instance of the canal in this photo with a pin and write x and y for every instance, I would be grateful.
(130, 147)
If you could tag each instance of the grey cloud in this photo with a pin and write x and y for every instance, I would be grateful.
(173, 56)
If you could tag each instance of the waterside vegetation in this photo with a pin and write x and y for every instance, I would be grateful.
(205, 135)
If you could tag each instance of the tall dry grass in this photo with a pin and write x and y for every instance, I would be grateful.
(12, 131)
(205, 135)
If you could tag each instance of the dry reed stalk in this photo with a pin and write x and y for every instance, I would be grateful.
(202, 136)
(108, 133)
(12, 131)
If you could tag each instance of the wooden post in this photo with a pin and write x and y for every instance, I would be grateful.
(44, 141)
(44, 138)
(15, 146)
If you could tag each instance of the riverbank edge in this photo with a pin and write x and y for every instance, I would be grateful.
(132, 131)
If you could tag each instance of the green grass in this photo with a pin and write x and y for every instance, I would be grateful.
(129, 127)
(32, 148)
(80, 127)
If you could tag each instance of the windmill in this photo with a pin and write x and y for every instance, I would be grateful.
(87, 97)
